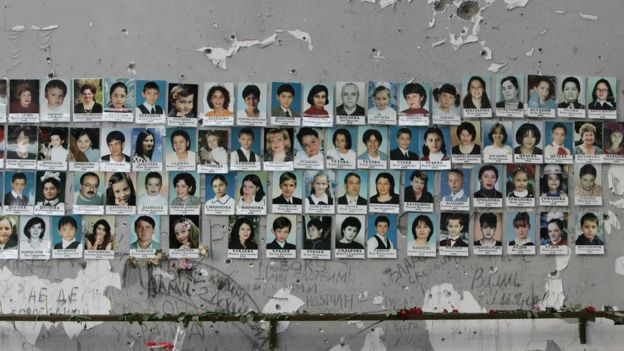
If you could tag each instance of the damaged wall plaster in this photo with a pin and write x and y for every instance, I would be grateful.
(272, 41)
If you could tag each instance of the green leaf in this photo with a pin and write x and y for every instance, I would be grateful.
(529, 314)
(556, 315)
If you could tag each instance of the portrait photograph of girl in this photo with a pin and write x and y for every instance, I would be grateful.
(119, 98)
(319, 191)
(184, 236)
(218, 104)
(251, 196)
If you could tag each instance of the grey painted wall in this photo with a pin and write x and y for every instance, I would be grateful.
(96, 38)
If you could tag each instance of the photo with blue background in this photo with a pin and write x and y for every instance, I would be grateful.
(162, 87)
(391, 234)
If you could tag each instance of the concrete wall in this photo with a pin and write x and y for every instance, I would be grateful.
(351, 40)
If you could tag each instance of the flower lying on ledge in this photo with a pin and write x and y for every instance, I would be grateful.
(203, 250)
(404, 313)
(159, 255)
(590, 309)
(152, 345)
(183, 265)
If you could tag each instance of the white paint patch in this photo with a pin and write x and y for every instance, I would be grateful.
(512, 4)
(611, 222)
(554, 296)
(269, 40)
(358, 324)
(19, 28)
(561, 261)
(618, 203)
(303, 36)
(530, 52)
(158, 272)
(343, 346)
(218, 56)
(561, 12)
(457, 41)
(378, 299)
(443, 296)
(495, 67)
(490, 334)
(370, 1)
(46, 28)
(363, 296)
(282, 302)
(386, 3)
(378, 56)
(438, 43)
(81, 295)
(588, 17)
(373, 341)
(432, 21)
(619, 265)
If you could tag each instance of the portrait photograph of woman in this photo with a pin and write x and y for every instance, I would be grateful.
(541, 92)
(184, 193)
(84, 149)
(147, 149)
(350, 236)
(35, 241)
(497, 142)
(466, 141)
(251, 104)
(181, 146)
(99, 234)
(373, 152)
(509, 95)
(588, 142)
(24, 101)
(476, 102)
(88, 100)
(602, 98)
(571, 97)
(243, 239)
(421, 234)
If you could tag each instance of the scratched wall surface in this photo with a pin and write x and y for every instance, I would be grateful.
(349, 40)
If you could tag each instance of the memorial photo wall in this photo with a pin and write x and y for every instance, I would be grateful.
(489, 165)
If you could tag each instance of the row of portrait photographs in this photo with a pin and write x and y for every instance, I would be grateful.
(310, 192)
(310, 104)
(95, 237)
(251, 148)
(354, 236)
(428, 234)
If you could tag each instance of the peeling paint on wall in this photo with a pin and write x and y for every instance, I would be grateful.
(81, 295)
(283, 301)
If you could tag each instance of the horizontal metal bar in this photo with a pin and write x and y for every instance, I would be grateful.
(222, 317)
